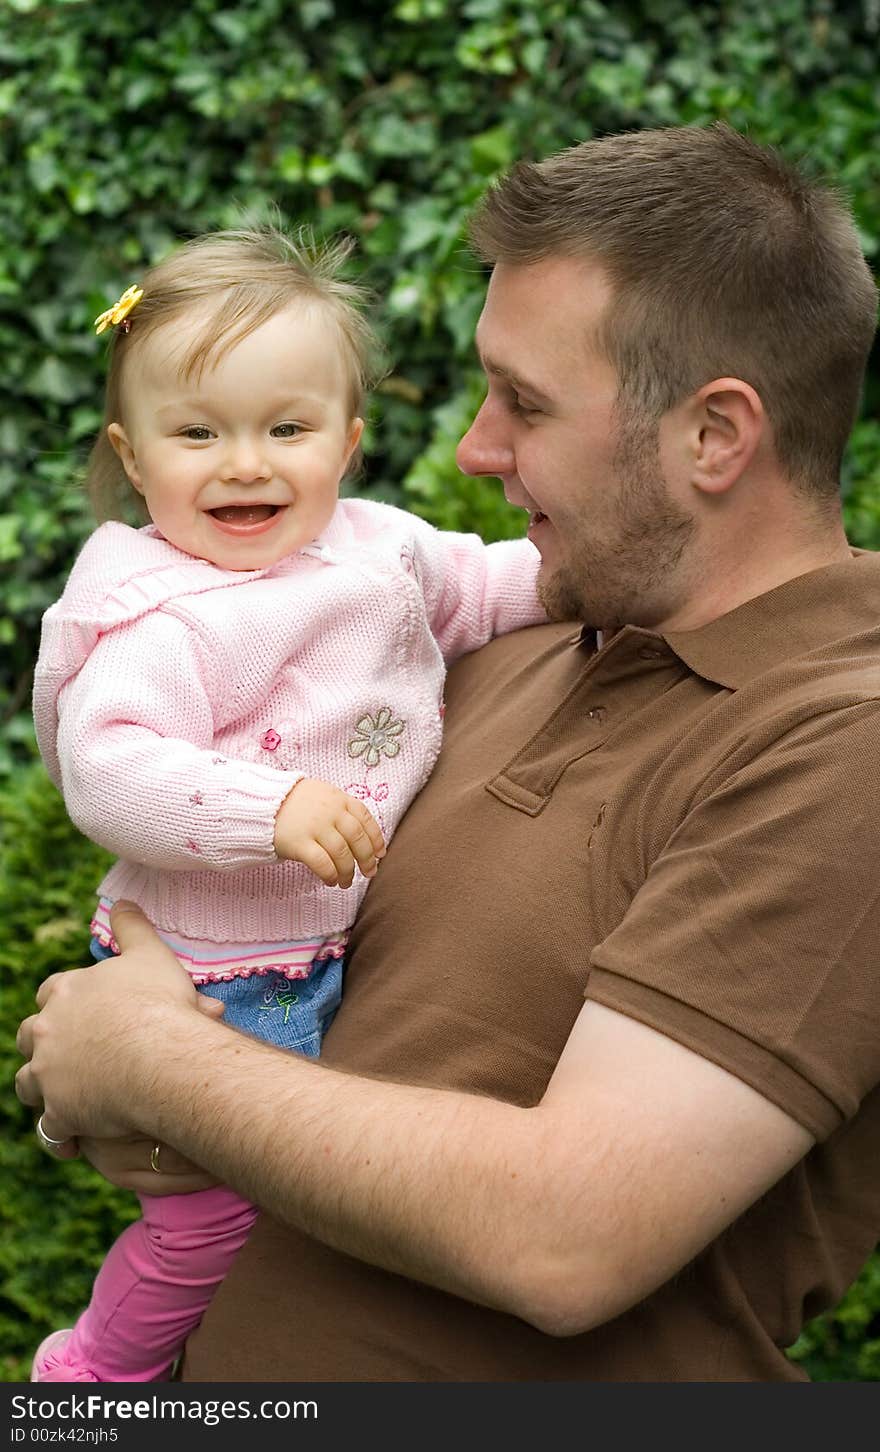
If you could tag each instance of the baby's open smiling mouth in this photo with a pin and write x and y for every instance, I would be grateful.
(245, 514)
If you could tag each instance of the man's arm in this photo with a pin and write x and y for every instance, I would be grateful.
(564, 1214)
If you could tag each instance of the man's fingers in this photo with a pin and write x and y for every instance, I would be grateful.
(24, 1039)
(64, 1146)
(69, 1150)
(48, 986)
(132, 929)
(27, 1088)
(212, 1007)
(126, 1161)
(29, 1091)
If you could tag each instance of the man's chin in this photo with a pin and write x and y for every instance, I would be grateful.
(562, 601)
(559, 597)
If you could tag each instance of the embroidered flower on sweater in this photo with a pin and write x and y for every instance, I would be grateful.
(363, 793)
(376, 736)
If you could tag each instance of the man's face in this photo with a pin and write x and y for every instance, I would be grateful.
(610, 532)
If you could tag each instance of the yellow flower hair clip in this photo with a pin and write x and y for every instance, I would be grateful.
(120, 310)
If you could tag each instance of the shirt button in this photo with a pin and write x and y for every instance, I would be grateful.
(597, 713)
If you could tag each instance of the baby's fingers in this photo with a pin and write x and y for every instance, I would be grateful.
(334, 843)
(372, 829)
(317, 859)
(364, 823)
(365, 840)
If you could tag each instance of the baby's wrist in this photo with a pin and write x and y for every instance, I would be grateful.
(283, 821)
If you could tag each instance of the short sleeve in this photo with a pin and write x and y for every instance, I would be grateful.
(755, 937)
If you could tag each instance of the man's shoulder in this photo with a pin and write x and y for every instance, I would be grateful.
(815, 714)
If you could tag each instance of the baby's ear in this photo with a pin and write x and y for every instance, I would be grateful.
(354, 435)
(120, 441)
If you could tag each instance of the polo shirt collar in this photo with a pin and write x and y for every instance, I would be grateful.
(800, 616)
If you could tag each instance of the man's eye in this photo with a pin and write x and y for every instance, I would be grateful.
(286, 430)
(518, 406)
(197, 432)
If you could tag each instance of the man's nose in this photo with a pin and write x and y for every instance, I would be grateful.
(245, 462)
(485, 448)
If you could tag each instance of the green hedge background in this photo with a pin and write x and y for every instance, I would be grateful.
(128, 127)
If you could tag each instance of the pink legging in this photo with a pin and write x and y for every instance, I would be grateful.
(155, 1284)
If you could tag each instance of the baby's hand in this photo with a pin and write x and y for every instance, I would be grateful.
(328, 831)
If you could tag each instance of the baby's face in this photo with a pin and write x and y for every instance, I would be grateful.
(240, 466)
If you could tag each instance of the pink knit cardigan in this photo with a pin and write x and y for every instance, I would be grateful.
(176, 703)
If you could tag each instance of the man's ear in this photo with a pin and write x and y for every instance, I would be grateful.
(726, 426)
(121, 443)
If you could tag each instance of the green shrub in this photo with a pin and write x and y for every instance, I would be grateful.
(845, 1344)
(56, 1222)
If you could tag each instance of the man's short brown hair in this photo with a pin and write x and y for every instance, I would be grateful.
(725, 260)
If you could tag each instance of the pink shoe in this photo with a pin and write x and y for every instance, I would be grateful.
(46, 1366)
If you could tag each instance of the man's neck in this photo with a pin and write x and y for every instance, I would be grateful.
(728, 578)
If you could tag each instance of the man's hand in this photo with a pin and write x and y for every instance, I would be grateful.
(329, 832)
(126, 1163)
(76, 1047)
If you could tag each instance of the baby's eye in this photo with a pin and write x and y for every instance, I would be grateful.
(286, 430)
(199, 433)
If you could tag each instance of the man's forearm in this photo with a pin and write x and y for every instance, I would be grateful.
(435, 1185)
(424, 1182)
(566, 1214)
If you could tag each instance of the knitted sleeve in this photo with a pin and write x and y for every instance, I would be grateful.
(140, 770)
(474, 590)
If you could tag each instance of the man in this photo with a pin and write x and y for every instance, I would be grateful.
(601, 1102)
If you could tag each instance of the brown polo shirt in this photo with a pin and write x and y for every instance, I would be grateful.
(685, 829)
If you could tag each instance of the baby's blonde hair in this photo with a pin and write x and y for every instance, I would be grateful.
(250, 274)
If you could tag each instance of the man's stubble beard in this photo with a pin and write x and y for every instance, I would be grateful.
(628, 579)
